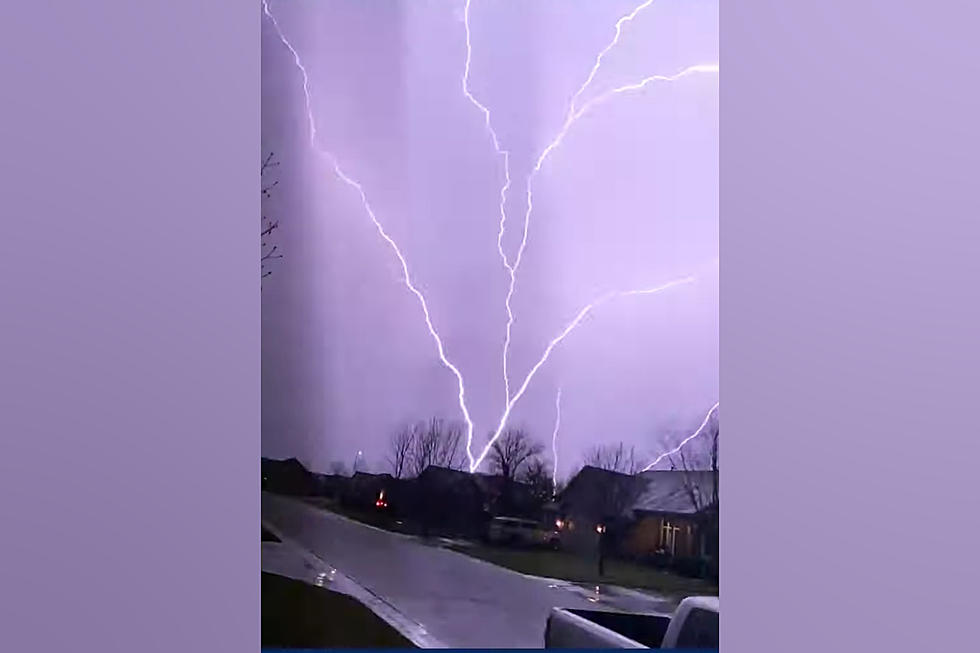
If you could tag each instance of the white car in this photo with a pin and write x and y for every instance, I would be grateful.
(521, 532)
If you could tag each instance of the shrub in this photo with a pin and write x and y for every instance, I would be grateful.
(690, 567)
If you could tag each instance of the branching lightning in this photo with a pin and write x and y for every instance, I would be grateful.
(554, 444)
(569, 328)
(598, 60)
(377, 224)
(680, 446)
(573, 115)
(503, 192)
(512, 269)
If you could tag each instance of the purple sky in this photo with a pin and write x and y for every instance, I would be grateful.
(629, 200)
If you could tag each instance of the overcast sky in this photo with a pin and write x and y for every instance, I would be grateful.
(629, 200)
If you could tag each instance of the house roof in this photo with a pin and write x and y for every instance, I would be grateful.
(435, 471)
(667, 491)
(370, 475)
(590, 479)
(446, 477)
(659, 491)
(590, 475)
(290, 464)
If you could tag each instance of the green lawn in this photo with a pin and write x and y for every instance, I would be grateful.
(297, 615)
(560, 565)
(563, 565)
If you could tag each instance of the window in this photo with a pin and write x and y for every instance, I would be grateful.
(668, 536)
(700, 630)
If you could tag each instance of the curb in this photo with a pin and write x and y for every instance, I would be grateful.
(573, 587)
(340, 582)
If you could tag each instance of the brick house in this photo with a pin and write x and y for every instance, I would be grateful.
(670, 513)
(673, 515)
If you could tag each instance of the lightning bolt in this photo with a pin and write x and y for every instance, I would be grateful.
(569, 328)
(573, 115)
(684, 441)
(503, 196)
(573, 118)
(554, 443)
(598, 60)
(461, 388)
(512, 269)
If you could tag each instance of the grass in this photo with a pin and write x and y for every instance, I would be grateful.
(375, 518)
(297, 615)
(563, 565)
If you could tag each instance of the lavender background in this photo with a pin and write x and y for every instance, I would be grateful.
(849, 340)
(129, 327)
(129, 336)
(628, 201)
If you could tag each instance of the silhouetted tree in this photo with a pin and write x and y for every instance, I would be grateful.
(268, 252)
(612, 494)
(698, 456)
(400, 449)
(613, 458)
(537, 476)
(513, 449)
(697, 461)
(434, 442)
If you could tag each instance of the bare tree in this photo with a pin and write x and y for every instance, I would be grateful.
(699, 466)
(451, 450)
(513, 449)
(613, 458)
(698, 462)
(614, 492)
(400, 448)
(537, 476)
(435, 442)
(268, 252)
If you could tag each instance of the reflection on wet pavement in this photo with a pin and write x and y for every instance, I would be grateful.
(451, 597)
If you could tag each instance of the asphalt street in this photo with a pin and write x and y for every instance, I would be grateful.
(461, 601)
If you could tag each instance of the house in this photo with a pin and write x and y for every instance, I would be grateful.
(667, 513)
(363, 489)
(675, 515)
(287, 477)
(596, 498)
(507, 498)
(449, 500)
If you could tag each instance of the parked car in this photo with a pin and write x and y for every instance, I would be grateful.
(694, 624)
(514, 531)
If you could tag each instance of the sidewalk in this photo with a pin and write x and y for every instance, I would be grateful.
(286, 558)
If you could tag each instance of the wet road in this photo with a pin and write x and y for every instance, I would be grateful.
(461, 601)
